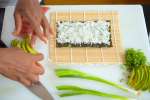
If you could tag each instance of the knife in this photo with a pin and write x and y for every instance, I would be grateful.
(39, 90)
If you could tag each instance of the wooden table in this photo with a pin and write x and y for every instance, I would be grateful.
(57, 2)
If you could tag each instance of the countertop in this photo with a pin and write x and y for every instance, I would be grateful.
(133, 28)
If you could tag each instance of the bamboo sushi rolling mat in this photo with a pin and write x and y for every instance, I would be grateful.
(103, 55)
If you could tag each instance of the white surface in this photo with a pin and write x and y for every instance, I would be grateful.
(134, 34)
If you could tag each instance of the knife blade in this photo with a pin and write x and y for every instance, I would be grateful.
(39, 90)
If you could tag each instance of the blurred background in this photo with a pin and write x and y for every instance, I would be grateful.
(96, 1)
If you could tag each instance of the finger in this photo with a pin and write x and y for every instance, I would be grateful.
(25, 81)
(51, 31)
(38, 57)
(40, 67)
(36, 22)
(33, 40)
(26, 28)
(37, 29)
(33, 78)
(37, 69)
(18, 23)
(45, 26)
(39, 33)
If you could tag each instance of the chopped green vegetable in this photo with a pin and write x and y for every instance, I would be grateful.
(74, 90)
(134, 58)
(78, 74)
(139, 76)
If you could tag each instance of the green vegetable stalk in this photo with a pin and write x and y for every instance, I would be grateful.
(74, 90)
(78, 74)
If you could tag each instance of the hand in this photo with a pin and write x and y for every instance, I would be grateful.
(29, 11)
(20, 66)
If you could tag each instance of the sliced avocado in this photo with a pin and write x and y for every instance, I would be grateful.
(18, 44)
(135, 79)
(149, 79)
(139, 76)
(142, 84)
(131, 77)
(26, 47)
(23, 45)
(14, 43)
(145, 87)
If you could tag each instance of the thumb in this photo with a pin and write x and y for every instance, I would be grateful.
(38, 57)
(18, 23)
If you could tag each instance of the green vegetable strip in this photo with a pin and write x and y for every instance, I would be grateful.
(143, 82)
(135, 78)
(70, 94)
(139, 75)
(79, 91)
(149, 80)
(131, 77)
(138, 81)
(78, 74)
(146, 81)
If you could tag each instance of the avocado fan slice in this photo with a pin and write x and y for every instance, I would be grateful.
(140, 76)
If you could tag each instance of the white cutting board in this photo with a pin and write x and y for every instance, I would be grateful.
(134, 34)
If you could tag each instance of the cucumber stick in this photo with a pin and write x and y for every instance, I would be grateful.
(75, 90)
(78, 74)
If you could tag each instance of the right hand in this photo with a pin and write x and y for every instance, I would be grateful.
(20, 66)
(29, 16)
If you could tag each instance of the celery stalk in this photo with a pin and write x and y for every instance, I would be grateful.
(80, 91)
(78, 74)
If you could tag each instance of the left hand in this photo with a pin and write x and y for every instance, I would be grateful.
(28, 15)
(20, 66)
